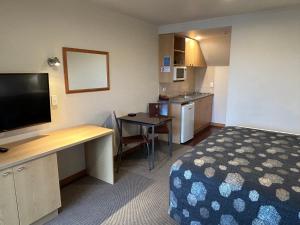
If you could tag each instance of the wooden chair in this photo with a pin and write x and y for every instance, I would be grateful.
(155, 110)
(134, 139)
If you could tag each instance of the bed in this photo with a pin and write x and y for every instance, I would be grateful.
(238, 176)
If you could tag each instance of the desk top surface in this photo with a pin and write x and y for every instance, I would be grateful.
(36, 147)
(144, 118)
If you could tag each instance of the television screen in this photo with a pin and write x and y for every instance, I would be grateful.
(24, 100)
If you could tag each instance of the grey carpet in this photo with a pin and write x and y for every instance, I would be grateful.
(139, 196)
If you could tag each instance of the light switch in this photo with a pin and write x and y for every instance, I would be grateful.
(211, 84)
(54, 100)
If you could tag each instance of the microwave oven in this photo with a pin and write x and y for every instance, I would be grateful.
(179, 73)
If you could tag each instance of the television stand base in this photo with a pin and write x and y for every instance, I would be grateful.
(2, 150)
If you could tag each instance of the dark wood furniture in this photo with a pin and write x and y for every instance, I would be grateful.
(156, 110)
(145, 120)
(134, 139)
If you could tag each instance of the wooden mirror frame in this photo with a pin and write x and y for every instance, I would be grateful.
(65, 61)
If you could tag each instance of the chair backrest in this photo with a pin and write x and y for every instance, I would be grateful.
(117, 122)
(154, 109)
(164, 108)
(158, 109)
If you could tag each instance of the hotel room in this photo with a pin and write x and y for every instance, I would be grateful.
(149, 112)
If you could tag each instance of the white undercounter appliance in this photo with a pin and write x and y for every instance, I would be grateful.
(187, 122)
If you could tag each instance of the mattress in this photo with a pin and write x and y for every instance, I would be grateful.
(238, 176)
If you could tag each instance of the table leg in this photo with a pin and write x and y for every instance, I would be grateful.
(141, 129)
(152, 146)
(170, 138)
(120, 146)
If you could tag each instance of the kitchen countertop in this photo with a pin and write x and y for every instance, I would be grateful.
(191, 98)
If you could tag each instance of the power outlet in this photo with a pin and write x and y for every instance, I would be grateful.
(54, 100)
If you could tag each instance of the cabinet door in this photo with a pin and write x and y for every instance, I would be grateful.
(203, 113)
(193, 54)
(197, 115)
(189, 52)
(166, 48)
(8, 203)
(197, 54)
(37, 188)
(200, 60)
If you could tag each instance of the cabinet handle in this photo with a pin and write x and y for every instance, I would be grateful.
(21, 168)
(6, 174)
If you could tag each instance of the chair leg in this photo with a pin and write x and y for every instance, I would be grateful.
(145, 150)
(119, 156)
(158, 148)
(148, 156)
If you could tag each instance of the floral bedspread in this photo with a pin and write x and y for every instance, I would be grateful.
(238, 176)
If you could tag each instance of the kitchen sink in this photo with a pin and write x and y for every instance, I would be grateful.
(185, 96)
(191, 96)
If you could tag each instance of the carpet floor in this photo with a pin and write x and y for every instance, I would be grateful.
(139, 196)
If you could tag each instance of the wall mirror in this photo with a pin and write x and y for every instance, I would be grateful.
(85, 70)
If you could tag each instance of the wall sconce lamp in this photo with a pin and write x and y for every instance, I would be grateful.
(53, 62)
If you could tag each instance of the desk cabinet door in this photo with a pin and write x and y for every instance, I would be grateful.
(37, 189)
(8, 203)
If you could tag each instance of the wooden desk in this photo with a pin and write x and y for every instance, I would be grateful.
(29, 173)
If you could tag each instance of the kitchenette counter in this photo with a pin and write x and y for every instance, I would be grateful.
(201, 110)
(188, 98)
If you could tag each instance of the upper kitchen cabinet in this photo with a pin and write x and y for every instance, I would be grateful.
(193, 54)
(166, 52)
(171, 53)
(179, 51)
(176, 50)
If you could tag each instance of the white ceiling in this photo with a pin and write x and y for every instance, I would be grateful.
(174, 11)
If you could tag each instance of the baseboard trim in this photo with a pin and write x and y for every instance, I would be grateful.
(220, 125)
(68, 180)
(46, 218)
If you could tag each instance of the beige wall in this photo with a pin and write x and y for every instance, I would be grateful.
(33, 30)
(203, 78)
(218, 77)
(264, 67)
(216, 50)
(220, 94)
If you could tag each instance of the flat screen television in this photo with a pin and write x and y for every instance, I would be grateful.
(24, 100)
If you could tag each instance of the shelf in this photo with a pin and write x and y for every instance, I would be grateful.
(179, 51)
(179, 44)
